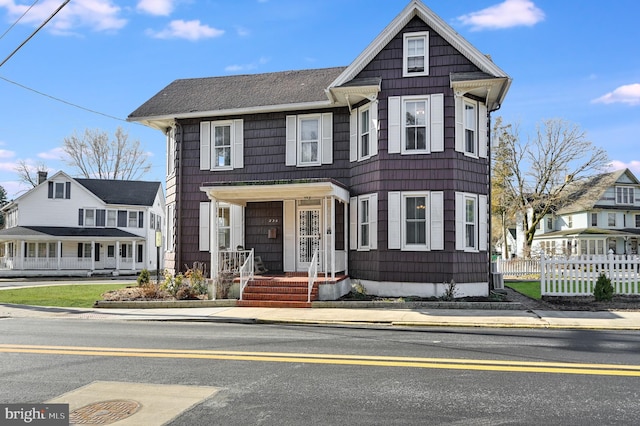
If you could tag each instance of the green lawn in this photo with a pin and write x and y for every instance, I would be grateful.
(528, 288)
(75, 296)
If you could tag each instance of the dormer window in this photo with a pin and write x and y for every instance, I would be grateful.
(416, 54)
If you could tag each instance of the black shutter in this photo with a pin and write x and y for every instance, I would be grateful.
(122, 218)
(67, 192)
(101, 217)
(80, 251)
(139, 253)
(96, 248)
(140, 219)
(50, 195)
(80, 217)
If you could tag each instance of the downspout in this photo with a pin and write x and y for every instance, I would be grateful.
(489, 227)
(177, 211)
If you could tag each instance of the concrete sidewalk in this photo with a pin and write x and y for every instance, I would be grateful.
(372, 317)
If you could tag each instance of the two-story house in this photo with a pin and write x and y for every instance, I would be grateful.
(601, 216)
(380, 168)
(72, 226)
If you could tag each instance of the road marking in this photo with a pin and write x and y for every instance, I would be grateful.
(337, 359)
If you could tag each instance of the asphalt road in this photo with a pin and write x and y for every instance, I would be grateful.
(294, 375)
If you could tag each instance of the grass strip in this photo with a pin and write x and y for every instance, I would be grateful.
(528, 288)
(67, 296)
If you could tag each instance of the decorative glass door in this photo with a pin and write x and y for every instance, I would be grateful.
(309, 227)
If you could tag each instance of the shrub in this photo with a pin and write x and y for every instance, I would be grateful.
(144, 277)
(603, 291)
(223, 285)
(450, 291)
(196, 276)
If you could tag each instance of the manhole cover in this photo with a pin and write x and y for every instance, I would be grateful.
(104, 412)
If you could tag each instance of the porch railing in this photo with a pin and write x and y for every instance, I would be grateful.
(312, 274)
(230, 261)
(517, 267)
(246, 272)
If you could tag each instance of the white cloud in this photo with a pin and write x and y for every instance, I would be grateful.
(14, 188)
(627, 94)
(190, 30)
(243, 32)
(156, 7)
(247, 67)
(5, 153)
(57, 154)
(509, 13)
(633, 165)
(99, 15)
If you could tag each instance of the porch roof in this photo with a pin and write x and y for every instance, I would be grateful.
(590, 232)
(275, 190)
(39, 233)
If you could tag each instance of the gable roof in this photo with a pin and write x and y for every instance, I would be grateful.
(36, 232)
(585, 194)
(127, 192)
(276, 91)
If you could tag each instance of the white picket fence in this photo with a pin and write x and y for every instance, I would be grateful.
(577, 275)
(517, 267)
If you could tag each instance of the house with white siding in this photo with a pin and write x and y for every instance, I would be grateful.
(72, 226)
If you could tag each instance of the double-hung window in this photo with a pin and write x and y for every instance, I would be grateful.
(470, 129)
(611, 219)
(364, 222)
(415, 54)
(416, 124)
(594, 219)
(624, 195)
(59, 190)
(471, 222)
(309, 139)
(89, 217)
(364, 132)
(112, 216)
(133, 220)
(416, 220)
(221, 145)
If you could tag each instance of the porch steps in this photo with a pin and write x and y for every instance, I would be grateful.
(278, 292)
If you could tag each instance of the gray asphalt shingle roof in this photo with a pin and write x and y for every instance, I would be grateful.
(131, 192)
(239, 92)
(64, 231)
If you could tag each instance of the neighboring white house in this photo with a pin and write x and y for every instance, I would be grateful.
(68, 226)
(601, 216)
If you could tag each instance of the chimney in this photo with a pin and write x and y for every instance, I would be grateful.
(42, 176)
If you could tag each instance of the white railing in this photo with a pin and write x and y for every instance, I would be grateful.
(577, 275)
(246, 272)
(312, 274)
(231, 261)
(517, 267)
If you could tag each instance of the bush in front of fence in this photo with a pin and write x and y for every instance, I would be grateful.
(603, 291)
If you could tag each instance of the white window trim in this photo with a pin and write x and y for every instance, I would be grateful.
(481, 218)
(207, 145)
(214, 162)
(403, 218)
(629, 191)
(474, 223)
(299, 162)
(356, 222)
(403, 136)
(405, 46)
(325, 139)
(465, 126)
(84, 219)
(481, 127)
(355, 149)
(397, 120)
(171, 151)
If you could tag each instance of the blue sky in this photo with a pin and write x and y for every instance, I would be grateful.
(572, 59)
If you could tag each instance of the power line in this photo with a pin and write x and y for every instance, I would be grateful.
(35, 32)
(18, 20)
(62, 100)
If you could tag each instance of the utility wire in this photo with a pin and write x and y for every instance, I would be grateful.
(18, 20)
(35, 32)
(62, 100)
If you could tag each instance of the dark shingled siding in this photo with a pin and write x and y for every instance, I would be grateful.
(264, 159)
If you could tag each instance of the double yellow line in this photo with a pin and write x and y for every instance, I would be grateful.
(334, 359)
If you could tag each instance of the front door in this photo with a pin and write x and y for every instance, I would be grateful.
(308, 240)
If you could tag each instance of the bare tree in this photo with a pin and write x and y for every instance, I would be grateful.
(3, 201)
(542, 168)
(96, 156)
(29, 174)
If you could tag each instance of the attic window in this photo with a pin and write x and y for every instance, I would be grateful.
(415, 54)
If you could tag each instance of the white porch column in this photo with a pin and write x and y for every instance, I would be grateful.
(325, 240)
(332, 212)
(59, 252)
(134, 253)
(93, 255)
(118, 256)
(346, 236)
(214, 248)
(23, 249)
